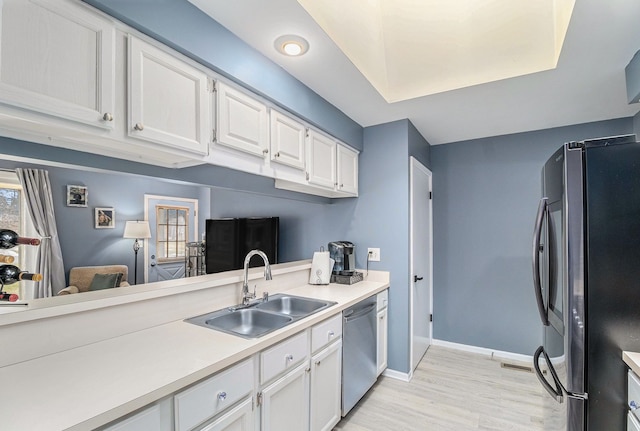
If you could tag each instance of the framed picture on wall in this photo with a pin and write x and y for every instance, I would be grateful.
(77, 196)
(105, 218)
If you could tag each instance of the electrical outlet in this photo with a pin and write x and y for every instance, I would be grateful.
(373, 254)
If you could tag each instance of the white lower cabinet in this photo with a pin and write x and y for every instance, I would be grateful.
(326, 379)
(294, 385)
(239, 418)
(213, 396)
(382, 330)
(156, 417)
(285, 403)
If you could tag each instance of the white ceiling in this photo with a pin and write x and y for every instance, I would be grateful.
(587, 85)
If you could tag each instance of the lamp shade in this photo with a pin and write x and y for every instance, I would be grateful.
(137, 229)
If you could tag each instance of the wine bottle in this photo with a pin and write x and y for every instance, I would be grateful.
(10, 274)
(6, 259)
(11, 297)
(9, 239)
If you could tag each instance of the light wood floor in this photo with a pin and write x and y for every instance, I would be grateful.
(451, 391)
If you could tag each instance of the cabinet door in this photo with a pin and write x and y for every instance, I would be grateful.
(57, 58)
(321, 160)
(287, 140)
(347, 170)
(285, 403)
(240, 418)
(382, 341)
(326, 386)
(156, 417)
(168, 99)
(242, 121)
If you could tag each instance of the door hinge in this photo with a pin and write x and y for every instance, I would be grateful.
(259, 399)
(213, 135)
(430, 317)
(211, 85)
(430, 195)
(307, 132)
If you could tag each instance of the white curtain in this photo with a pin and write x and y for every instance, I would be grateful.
(37, 191)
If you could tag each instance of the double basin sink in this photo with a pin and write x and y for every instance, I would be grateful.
(260, 318)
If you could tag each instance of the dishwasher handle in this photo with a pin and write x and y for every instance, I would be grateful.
(353, 315)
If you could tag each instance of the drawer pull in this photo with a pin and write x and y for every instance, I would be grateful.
(289, 358)
(222, 396)
(633, 405)
(139, 127)
(331, 334)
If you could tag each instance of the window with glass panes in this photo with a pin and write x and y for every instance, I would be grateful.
(172, 231)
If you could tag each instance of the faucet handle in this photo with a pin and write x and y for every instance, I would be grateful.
(265, 296)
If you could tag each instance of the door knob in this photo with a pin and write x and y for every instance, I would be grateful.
(417, 279)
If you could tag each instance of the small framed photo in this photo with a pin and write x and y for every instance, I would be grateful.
(105, 218)
(76, 196)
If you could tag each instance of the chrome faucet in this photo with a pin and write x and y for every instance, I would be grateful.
(246, 295)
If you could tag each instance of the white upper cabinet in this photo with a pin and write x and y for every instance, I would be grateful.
(58, 59)
(321, 160)
(242, 121)
(347, 171)
(168, 99)
(287, 140)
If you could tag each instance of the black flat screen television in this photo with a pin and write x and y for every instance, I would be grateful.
(228, 240)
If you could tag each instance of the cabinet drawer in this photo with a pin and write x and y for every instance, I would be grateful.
(208, 398)
(148, 419)
(325, 332)
(383, 299)
(632, 423)
(633, 391)
(283, 356)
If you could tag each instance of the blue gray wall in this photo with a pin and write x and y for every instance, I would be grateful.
(185, 28)
(380, 218)
(486, 193)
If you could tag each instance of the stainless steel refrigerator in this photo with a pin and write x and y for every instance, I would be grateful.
(586, 270)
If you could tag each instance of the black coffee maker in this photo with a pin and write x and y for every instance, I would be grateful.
(344, 255)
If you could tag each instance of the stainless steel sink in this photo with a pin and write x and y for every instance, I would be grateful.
(293, 305)
(247, 322)
(260, 318)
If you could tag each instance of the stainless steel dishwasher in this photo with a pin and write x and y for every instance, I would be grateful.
(359, 347)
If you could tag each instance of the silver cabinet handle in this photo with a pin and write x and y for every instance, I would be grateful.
(265, 151)
(633, 405)
(341, 186)
(222, 396)
(317, 363)
(139, 127)
(278, 154)
(331, 334)
(289, 358)
(382, 317)
(107, 117)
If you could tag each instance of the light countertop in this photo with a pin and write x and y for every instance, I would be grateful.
(89, 386)
(632, 359)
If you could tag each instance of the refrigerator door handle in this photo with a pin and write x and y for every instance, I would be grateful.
(556, 393)
(537, 284)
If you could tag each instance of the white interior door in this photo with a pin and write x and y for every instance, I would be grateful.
(421, 261)
(155, 267)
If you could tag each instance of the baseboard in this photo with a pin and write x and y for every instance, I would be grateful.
(398, 375)
(494, 354)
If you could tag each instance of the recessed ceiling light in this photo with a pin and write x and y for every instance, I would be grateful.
(291, 45)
